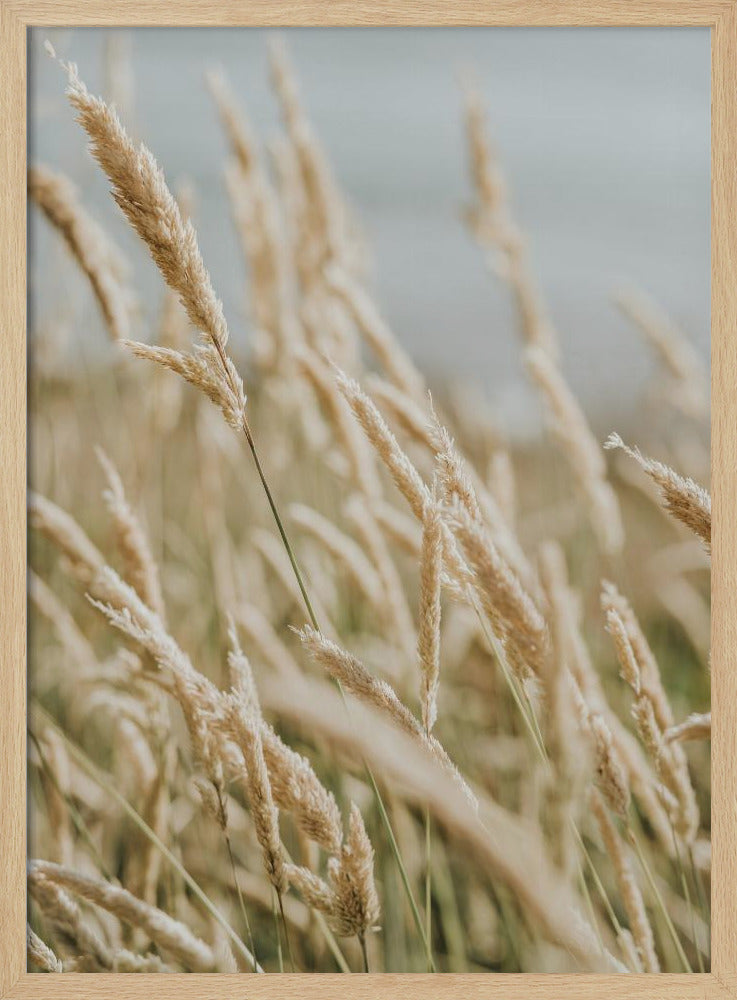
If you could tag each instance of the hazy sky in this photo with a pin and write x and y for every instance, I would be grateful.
(604, 136)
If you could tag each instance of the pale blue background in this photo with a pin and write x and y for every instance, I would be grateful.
(604, 134)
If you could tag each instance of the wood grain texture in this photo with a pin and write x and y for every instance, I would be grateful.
(374, 12)
(724, 491)
(186, 986)
(14, 17)
(12, 499)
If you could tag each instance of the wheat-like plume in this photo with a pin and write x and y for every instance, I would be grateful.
(171, 935)
(640, 927)
(695, 727)
(141, 192)
(99, 259)
(428, 634)
(688, 502)
(40, 954)
(141, 569)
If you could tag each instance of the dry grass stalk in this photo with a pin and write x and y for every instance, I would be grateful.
(101, 261)
(65, 918)
(140, 190)
(141, 570)
(695, 727)
(362, 310)
(40, 954)
(355, 678)
(511, 849)
(83, 559)
(346, 553)
(492, 223)
(680, 361)
(352, 443)
(169, 934)
(511, 611)
(684, 499)
(406, 477)
(561, 738)
(640, 927)
(428, 635)
(580, 450)
(671, 771)
(245, 730)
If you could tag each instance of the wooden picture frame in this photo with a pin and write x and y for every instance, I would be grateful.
(16, 16)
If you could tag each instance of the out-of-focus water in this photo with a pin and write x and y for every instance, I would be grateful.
(604, 134)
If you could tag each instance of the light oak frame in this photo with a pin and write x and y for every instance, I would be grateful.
(16, 16)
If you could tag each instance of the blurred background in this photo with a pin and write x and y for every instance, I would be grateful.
(604, 135)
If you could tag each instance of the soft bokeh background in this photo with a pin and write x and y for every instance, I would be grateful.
(604, 135)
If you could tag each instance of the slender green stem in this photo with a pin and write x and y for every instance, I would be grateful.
(76, 817)
(656, 893)
(428, 876)
(402, 870)
(107, 784)
(315, 624)
(364, 952)
(236, 883)
(275, 915)
(292, 966)
(687, 897)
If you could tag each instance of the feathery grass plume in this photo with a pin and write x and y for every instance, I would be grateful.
(348, 435)
(389, 352)
(294, 785)
(407, 412)
(297, 790)
(314, 890)
(71, 637)
(257, 219)
(322, 225)
(245, 729)
(345, 552)
(406, 477)
(561, 738)
(639, 922)
(169, 934)
(39, 953)
(511, 611)
(141, 569)
(677, 356)
(580, 450)
(140, 190)
(695, 727)
(684, 499)
(491, 221)
(355, 678)
(352, 877)
(613, 600)
(675, 777)
(459, 482)
(651, 682)
(428, 634)
(64, 917)
(510, 849)
(619, 760)
(83, 558)
(101, 261)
